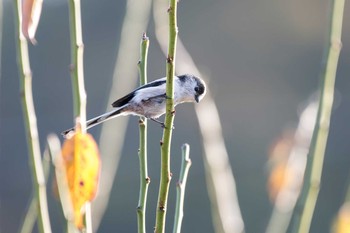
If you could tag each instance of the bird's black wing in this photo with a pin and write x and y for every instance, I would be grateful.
(155, 83)
(124, 100)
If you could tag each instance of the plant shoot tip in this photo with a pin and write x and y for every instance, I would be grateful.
(145, 37)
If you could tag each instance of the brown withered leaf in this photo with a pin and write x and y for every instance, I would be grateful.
(31, 11)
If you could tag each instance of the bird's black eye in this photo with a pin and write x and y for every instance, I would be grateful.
(199, 89)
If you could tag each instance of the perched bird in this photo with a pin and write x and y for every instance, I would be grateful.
(149, 100)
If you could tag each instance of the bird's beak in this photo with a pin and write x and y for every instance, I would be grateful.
(196, 97)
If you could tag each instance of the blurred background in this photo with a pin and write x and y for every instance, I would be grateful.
(264, 60)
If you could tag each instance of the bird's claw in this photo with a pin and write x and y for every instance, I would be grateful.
(163, 126)
(161, 123)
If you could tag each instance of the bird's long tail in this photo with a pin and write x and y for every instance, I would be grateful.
(97, 120)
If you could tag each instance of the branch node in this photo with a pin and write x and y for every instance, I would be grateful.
(71, 67)
(169, 59)
(144, 36)
(162, 208)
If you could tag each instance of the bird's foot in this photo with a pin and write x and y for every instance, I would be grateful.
(159, 122)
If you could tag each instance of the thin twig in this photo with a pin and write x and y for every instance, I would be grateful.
(124, 78)
(144, 179)
(181, 186)
(77, 75)
(304, 210)
(30, 217)
(32, 211)
(39, 183)
(77, 69)
(165, 176)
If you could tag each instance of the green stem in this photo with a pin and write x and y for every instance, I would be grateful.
(181, 186)
(144, 179)
(306, 204)
(32, 211)
(165, 176)
(77, 75)
(30, 217)
(134, 23)
(31, 129)
(77, 69)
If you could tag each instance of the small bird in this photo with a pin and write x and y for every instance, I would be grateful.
(149, 100)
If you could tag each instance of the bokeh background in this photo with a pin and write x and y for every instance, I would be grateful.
(264, 60)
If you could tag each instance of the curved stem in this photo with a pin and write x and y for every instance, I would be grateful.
(307, 201)
(31, 129)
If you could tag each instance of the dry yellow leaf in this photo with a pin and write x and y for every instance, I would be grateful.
(278, 179)
(82, 163)
(343, 222)
(280, 173)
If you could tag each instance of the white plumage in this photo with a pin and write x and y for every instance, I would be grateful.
(149, 100)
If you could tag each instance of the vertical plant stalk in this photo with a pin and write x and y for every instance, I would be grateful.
(31, 130)
(77, 67)
(181, 186)
(220, 180)
(165, 175)
(77, 75)
(124, 78)
(30, 217)
(144, 179)
(306, 204)
(32, 211)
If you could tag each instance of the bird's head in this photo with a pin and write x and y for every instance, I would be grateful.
(195, 87)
